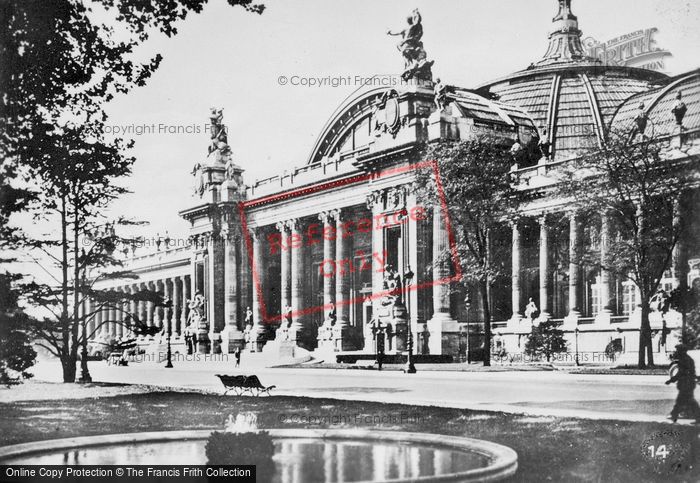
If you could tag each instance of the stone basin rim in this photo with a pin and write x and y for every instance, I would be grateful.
(503, 461)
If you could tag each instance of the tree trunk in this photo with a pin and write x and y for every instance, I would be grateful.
(68, 366)
(484, 289)
(646, 350)
(76, 282)
(66, 361)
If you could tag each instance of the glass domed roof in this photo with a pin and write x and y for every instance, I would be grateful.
(571, 97)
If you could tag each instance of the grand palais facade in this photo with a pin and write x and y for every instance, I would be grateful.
(263, 274)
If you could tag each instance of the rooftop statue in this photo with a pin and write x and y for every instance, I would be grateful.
(416, 64)
(198, 173)
(219, 138)
(679, 109)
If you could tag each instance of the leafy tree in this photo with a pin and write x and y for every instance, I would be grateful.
(61, 66)
(546, 339)
(474, 176)
(16, 352)
(640, 190)
(16, 355)
(687, 302)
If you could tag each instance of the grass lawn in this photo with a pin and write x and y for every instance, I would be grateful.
(549, 449)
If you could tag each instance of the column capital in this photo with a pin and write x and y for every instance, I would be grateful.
(328, 217)
(293, 224)
(375, 198)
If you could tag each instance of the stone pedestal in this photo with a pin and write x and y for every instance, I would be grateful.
(676, 137)
(341, 338)
(571, 320)
(215, 338)
(394, 317)
(444, 334)
(325, 336)
(603, 318)
(254, 337)
(203, 342)
(231, 339)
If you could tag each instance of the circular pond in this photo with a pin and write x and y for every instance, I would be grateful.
(300, 455)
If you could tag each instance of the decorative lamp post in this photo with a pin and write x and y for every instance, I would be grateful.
(169, 364)
(410, 367)
(467, 306)
(378, 331)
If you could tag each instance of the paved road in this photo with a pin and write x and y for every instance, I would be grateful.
(637, 398)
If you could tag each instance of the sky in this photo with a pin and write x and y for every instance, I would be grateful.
(228, 58)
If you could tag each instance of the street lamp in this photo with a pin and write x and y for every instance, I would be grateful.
(467, 306)
(576, 340)
(410, 367)
(169, 365)
(378, 331)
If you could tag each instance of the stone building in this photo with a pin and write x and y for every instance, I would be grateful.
(273, 277)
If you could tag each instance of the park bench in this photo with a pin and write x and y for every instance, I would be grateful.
(243, 384)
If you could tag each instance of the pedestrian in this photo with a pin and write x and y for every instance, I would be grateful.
(685, 380)
(237, 354)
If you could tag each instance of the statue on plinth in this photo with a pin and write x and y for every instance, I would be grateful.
(440, 91)
(198, 174)
(248, 320)
(392, 282)
(640, 121)
(545, 145)
(288, 316)
(332, 314)
(416, 64)
(219, 138)
(197, 319)
(679, 109)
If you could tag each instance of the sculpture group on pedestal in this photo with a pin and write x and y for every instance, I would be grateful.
(416, 64)
(221, 150)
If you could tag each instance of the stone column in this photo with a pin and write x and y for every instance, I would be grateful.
(143, 306)
(168, 311)
(298, 332)
(545, 310)
(607, 281)
(177, 308)
(216, 300)
(374, 204)
(515, 272)
(90, 317)
(98, 321)
(121, 316)
(82, 325)
(328, 268)
(444, 330)
(571, 320)
(285, 271)
(231, 336)
(150, 309)
(158, 311)
(677, 265)
(343, 283)
(129, 289)
(255, 334)
(574, 265)
(185, 287)
(112, 318)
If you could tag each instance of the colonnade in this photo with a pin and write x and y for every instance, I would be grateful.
(116, 319)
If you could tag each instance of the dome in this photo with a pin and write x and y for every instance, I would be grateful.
(571, 97)
(659, 104)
